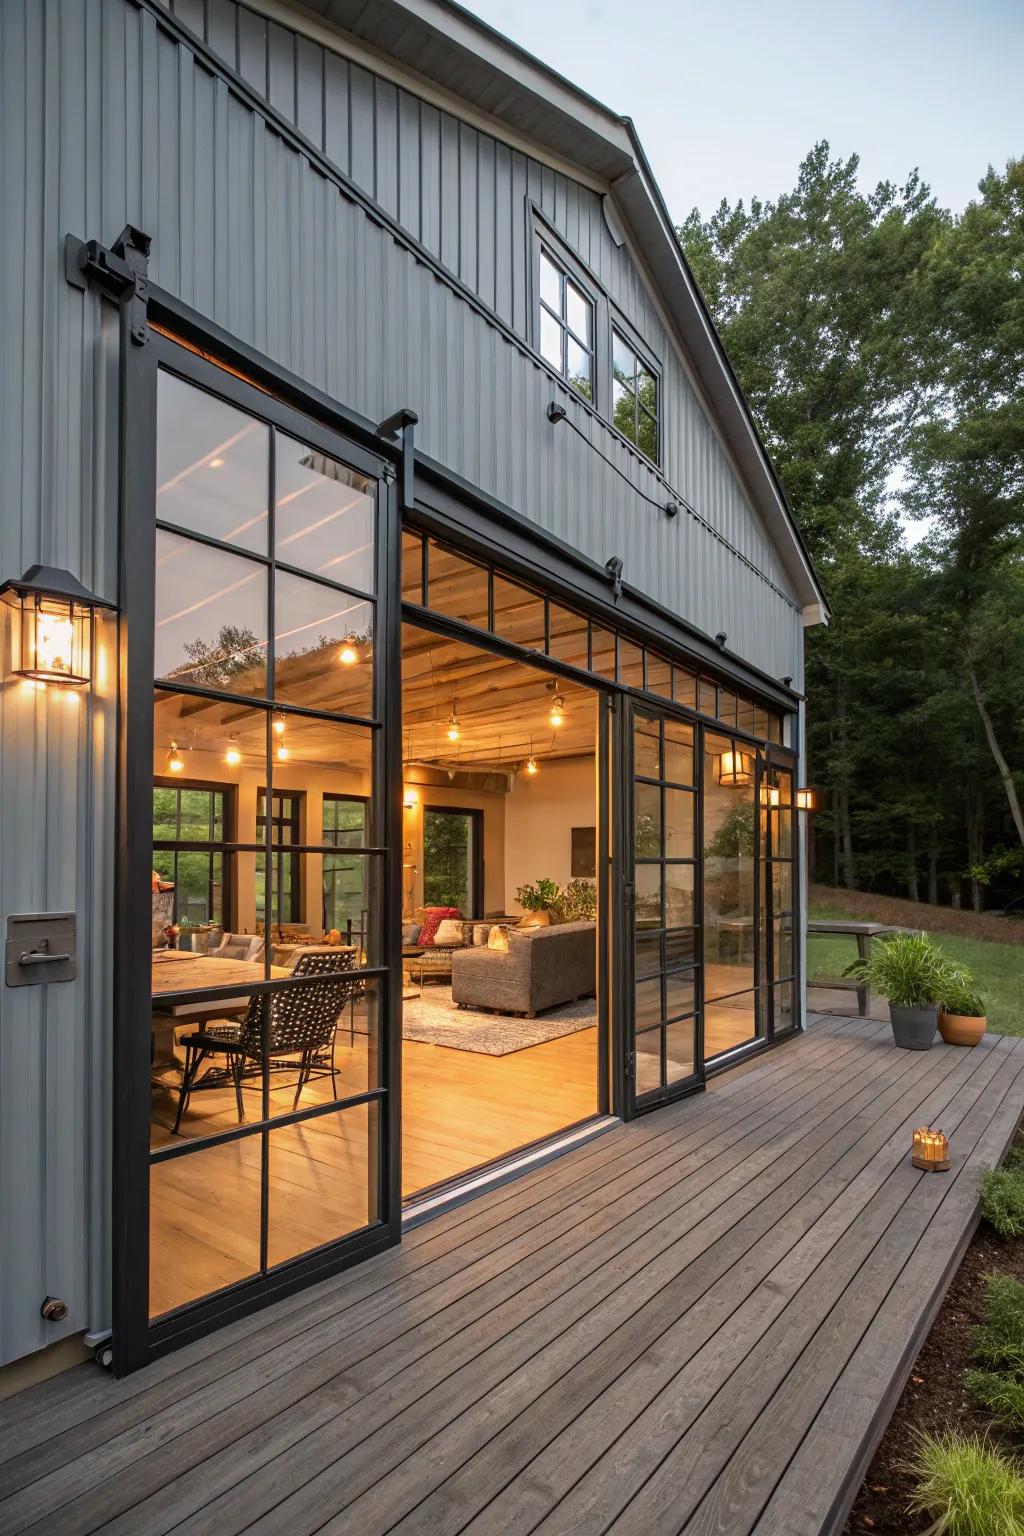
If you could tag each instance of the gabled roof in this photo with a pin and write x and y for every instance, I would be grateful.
(447, 45)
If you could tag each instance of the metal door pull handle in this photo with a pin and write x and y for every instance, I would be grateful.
(33, 957)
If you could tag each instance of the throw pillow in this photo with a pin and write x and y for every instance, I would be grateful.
(449, 932)
(410, 933)
(480, 933)
(433, 917)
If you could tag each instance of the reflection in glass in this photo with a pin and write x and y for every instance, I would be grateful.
(729, 1022)
(678, 752)
(322, 1180)
(550, 283)
(602, 651)
(679, 993)
(204, 1222)
(647, 832)
(729, 898)
(324, 515)
(648, 1002)
(518, 615)
(412, 567)
(211, 617)
(680, 805)
(567, 638)
(646, 747)
(648, 896)
(647, 952)
(211, 465)
(684, 687)
(680, 1050)
(456, 587)
(659, 675)
(631, 664)
(323, 647)
(648, 1061)
(551, 334)
(678, 895)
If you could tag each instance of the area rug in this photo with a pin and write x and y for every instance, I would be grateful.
(433, 1019)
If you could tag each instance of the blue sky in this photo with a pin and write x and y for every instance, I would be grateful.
(727, 97)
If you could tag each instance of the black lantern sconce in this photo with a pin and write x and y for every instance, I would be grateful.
(735, 768)
(53, 615)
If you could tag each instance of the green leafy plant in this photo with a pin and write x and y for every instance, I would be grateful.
(540, 897)
(958, 994)
(967, 1487)
(1002, 1200)
(907, 968)
(576, 903)
(999, 1340)
(734, 839)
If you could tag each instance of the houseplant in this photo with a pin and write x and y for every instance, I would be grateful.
(576, 903)
(962, 1018)
(909, 970)
(537, 901)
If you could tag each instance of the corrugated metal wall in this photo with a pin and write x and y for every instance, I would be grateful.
(107, 120)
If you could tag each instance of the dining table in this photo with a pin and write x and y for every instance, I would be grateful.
(182, 970)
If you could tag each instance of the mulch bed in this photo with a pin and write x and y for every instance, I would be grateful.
(918, 914)
(934, 1399)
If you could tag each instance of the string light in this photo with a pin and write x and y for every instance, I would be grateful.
(232, 756)
(282, 753)
(454, 731)
(278, 725)
(557, 714)
(175, 761)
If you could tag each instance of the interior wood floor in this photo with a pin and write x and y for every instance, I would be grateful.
(697, 1322)
(460, 1109)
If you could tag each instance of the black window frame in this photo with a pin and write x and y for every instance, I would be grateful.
(328, 838)
(567, 275)
(475, 817)
(642, 361)
(210, 847)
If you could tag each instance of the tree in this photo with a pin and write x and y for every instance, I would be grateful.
(815, 295)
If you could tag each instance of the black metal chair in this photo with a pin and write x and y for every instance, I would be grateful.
(302, 1023)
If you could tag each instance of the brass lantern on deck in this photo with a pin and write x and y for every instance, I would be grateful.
(53, 619)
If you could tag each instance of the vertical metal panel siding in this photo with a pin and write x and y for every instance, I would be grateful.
(107, 120)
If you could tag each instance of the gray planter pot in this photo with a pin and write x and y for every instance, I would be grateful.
(913, 1029)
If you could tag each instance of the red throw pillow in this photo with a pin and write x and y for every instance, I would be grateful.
(433, 917)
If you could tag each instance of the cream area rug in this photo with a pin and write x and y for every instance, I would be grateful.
(433, 1019)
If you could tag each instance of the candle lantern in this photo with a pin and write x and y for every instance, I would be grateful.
(931, 1150)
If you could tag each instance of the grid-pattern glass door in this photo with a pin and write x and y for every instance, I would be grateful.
(665, 953)
(269, 1087)
(778, 842)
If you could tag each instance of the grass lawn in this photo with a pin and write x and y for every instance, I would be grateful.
(998, 969)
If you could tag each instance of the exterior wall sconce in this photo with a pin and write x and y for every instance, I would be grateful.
(410, 799)
(54, 619)
(735, 768)
(771, 795)
(931, 1150)
(806, 800)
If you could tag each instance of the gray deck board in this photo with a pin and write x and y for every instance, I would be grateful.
(699, 1321)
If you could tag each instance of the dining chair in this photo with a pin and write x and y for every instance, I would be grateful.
(302, 1023)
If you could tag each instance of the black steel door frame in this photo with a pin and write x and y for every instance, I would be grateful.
(135, 1339)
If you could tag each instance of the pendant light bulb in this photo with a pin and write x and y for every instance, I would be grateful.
(349, 653)
(232, 756)
(175, 761)
(282, 753)
(278, 725)
(557, 715)
(531, 764)
(454, 731)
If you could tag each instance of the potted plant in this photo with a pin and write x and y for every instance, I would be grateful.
(962, 1018)
(537, 901)
(576, 903)
(909, 970)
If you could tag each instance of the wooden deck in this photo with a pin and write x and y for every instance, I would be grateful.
(699, 1321)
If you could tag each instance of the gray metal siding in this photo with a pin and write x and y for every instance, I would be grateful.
(108, 120)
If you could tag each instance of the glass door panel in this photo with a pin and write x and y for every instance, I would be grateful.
(664, 936)
(778, 843)
(732, 991)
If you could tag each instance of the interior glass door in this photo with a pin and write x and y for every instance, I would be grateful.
(663, 937)
(778, 883)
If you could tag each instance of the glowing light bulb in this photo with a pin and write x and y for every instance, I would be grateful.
(531, 765)
(348, 655)
(279, 725)
(216, 463)
(410, 799)
(175, 761)
(282, 753)
(557, 715)
(453, 729)
(54, 637)
(232, 756)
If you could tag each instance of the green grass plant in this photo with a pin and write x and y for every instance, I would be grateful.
(999, 1341)
(907, 968)
(968, 1488)
(999, 1394)
(1002, 1200)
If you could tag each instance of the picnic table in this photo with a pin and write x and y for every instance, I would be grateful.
(864, 933)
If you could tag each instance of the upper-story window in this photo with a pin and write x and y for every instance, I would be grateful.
(635, 397)
(566, 326)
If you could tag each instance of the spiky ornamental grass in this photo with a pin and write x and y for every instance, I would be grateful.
(968, 1488)
(907, 968)
(999, 1341)
(1002, 1200)
(1000, 1394)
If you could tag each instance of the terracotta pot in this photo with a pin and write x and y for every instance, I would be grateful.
(541, 919)
(961, 1028)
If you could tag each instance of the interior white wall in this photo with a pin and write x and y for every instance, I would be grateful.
(539, 816)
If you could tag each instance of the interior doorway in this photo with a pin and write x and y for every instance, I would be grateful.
(501, 906)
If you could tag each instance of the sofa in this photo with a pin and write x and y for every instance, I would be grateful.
(542, 968)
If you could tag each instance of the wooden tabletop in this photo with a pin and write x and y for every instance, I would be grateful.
(840, 925)
(178, 970)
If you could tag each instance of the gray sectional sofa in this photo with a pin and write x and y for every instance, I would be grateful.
(542, 968)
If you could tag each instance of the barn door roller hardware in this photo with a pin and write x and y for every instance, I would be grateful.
(122, 272)
(401, 424)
